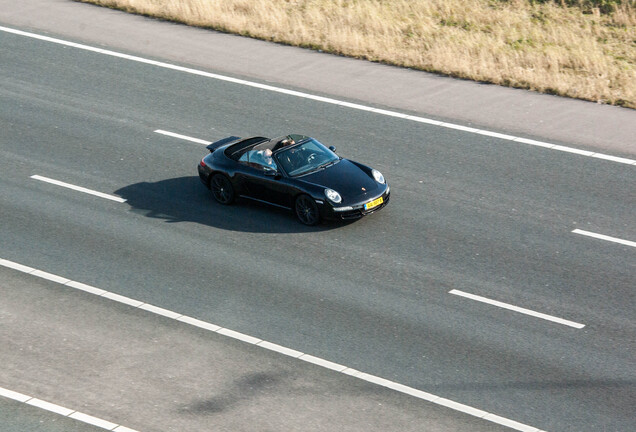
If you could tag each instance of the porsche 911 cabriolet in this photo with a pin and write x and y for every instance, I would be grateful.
(295, 172)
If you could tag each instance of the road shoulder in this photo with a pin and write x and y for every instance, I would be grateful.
(587, 125)
(150, 373)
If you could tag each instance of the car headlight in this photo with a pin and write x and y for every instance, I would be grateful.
(377, 175)
(333, 196)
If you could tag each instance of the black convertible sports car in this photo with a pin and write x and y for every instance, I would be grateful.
(295, 172)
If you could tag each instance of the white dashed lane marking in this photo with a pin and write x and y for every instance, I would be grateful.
(605, 237)
(183, 137)
(517, 309)
(78, 188)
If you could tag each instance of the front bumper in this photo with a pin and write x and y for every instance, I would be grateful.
(355, 211)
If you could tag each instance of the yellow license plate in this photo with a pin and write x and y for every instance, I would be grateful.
(374, 203)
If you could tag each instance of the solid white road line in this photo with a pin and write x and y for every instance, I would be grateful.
(63, 411)
(183, 137)
(93, 421)
(604, 237)
(272, 347)
(50, 407)
(517, 309)
(317, 98)
(79, 188)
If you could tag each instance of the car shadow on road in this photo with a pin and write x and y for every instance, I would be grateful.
(185, 199)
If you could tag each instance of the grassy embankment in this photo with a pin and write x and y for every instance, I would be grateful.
(586, 50)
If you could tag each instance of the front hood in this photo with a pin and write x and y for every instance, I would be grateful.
(346, 178)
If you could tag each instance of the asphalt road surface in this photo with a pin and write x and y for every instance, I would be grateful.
(470, 214)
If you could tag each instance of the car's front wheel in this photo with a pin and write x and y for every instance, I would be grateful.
(307, 210)
(222, 189)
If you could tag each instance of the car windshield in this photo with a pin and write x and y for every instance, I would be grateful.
(306, 157)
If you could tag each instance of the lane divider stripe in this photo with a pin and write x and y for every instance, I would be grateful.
(605, 237)
(315, 97)
(63, 411)
(276, 348)
(183, 137)
(78, 188)
(517, 309)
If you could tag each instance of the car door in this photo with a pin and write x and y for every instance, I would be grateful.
(261, 179)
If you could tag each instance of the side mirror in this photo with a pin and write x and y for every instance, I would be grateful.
(272, 173)
(332, 148)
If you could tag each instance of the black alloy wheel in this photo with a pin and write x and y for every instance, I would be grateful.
(222, 189)
(307, 210)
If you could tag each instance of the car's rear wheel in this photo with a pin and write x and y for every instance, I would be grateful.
(222, 189)
(307, 210)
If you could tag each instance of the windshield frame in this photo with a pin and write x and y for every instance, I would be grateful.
(300, 152)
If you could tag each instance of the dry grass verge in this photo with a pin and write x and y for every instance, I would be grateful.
(540, 45)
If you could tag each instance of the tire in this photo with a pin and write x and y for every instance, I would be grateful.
(222, 189)
(307, 210)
